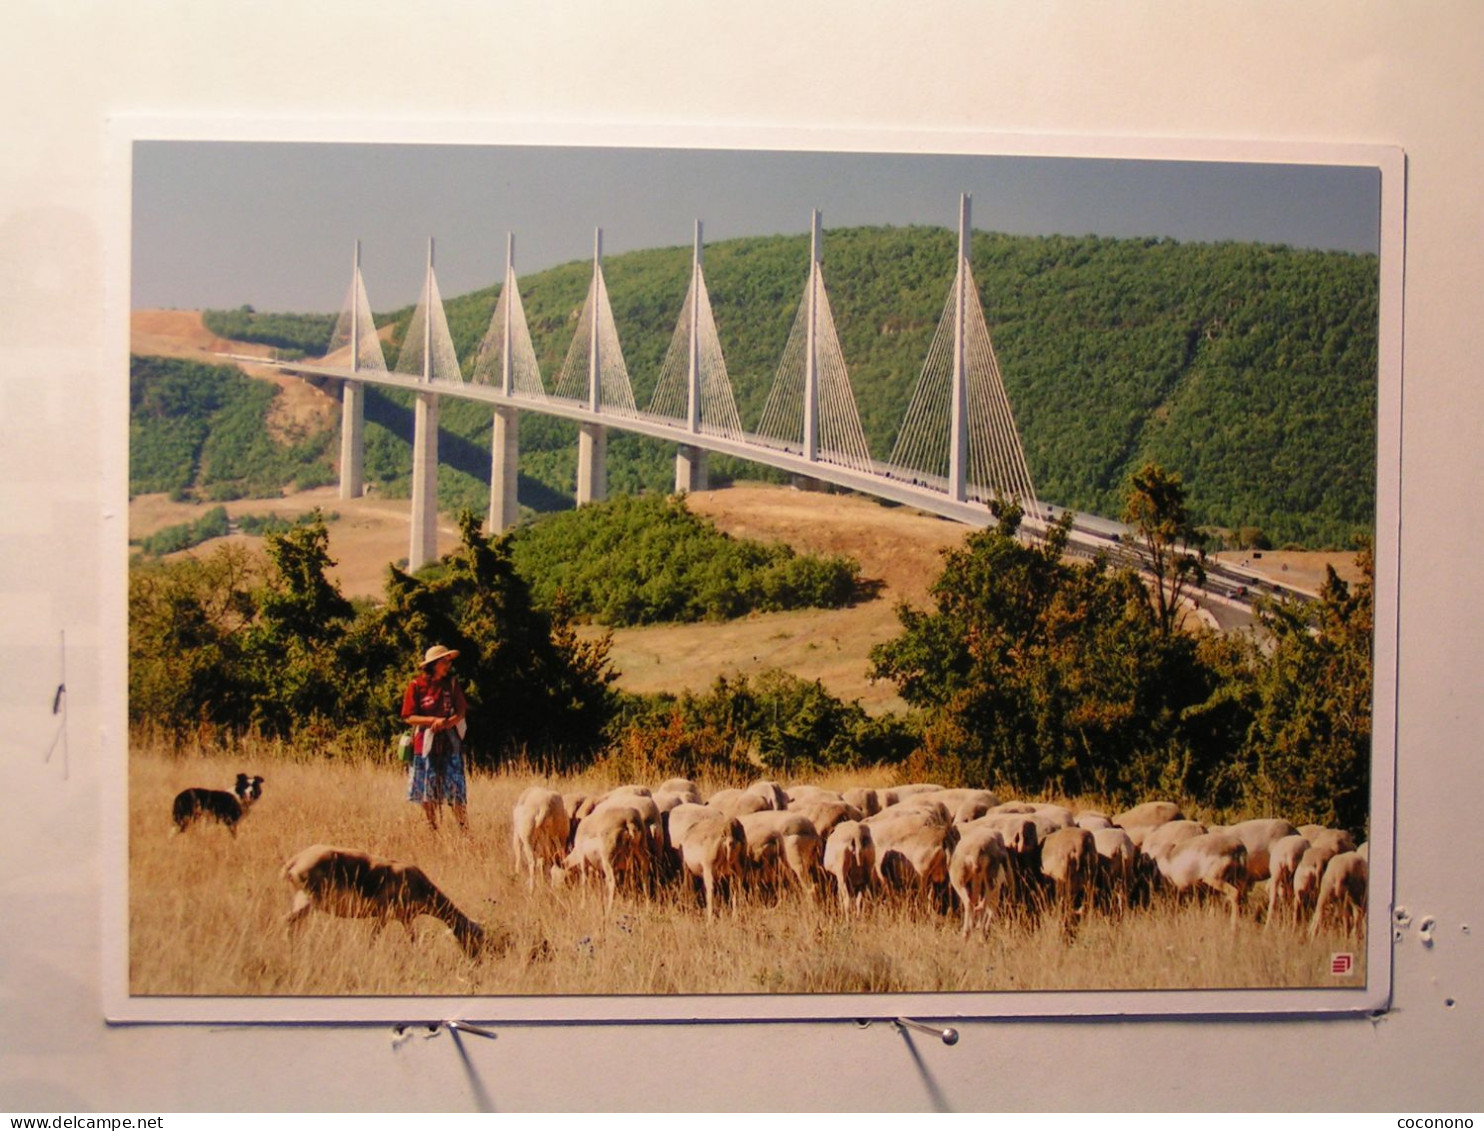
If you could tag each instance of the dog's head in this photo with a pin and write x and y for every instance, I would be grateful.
(249, 789)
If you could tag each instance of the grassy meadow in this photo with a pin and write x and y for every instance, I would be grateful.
(206, 912)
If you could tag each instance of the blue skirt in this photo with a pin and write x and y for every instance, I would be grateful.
(439, 780)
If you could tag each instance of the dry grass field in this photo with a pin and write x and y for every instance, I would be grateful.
(206, 914)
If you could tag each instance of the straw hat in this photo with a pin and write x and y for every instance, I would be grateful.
(438, 652)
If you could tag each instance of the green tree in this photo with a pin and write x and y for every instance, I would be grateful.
(1155, 506)
(1311, 737)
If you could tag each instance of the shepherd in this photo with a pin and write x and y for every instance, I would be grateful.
(434, 705)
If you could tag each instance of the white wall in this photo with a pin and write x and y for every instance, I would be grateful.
(1328, 70)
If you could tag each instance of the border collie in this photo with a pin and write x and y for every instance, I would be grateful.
(193, 803)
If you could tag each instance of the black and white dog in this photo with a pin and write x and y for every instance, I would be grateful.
(225, 807)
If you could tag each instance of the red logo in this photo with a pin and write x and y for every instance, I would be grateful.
(1341, 963)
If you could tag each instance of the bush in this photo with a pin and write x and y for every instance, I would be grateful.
(643, 560)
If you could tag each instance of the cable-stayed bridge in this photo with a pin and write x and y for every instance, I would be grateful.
(957, 448)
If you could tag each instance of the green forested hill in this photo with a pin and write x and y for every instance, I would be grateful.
(1248, 369)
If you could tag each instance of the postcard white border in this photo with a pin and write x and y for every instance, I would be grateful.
(120, 1006)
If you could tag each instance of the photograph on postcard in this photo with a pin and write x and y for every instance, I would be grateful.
(578, 572)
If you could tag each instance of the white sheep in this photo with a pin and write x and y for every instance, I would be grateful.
(978, 866)
(912, 847)
(355, 885)
(711, 849)
(779, 840)
(850, 857)
(614, 843)
(1342, 892)
(1217, 861)
(1284, 857)
(538, 831)
(1069, 860)
(1117, 858)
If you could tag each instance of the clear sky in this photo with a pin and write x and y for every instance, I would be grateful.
(220, 224)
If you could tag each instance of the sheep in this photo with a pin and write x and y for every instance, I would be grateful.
(912, 848)
(1092, 820)
(810, 794)
(614, 842)
(912, 790)
(684, 787)
(1162, 839)
(965, 804)
(1259, 836)
(539, 831)
(850, 857)
(979, 864)
(355, 885)
(1342, 891)
(1217, 861)
(1284, 857)
(1139, 821)
(1117, 858)
(868, 801)
(682, 817)
(771, 792)
(711, 849)
(228, 808)
(1148, 814)
(825, 815)
(737, 803)
(1069, 860)
(641, 801)
(1324, 845)
(1022, 844)
(777, 840)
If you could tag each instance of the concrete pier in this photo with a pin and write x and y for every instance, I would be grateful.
(424, 546)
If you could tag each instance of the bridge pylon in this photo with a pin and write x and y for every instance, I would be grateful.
(507, 360)
(429, 343)
(355, 334)
(959, 435)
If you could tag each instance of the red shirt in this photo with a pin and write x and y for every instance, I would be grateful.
(442, 700)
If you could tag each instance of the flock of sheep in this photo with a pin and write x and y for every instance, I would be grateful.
(929, 840)
(916, 841)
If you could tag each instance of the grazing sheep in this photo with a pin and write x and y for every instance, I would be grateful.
(1092, 820)
(1162, 839)
(1148, 814)
(228, 808)
(1023, 846)
(682, 817)
(1117, 858)
(1259, 836)
(737, 803)
(1324, 845)
(686, 789)
(1342, 892)
(539, 830)
(1284, 857)
(771, 792)
(640, 800)
(354, 885)
(905, 791)
(978, 866)
(1069, 860)
(711, 849)
(1139, 821)
(850, 856)
(868, 801)
(913, 848)
(799, 794)
(825, 815)
(615, 843)
(782, 840)
(1217, 861)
